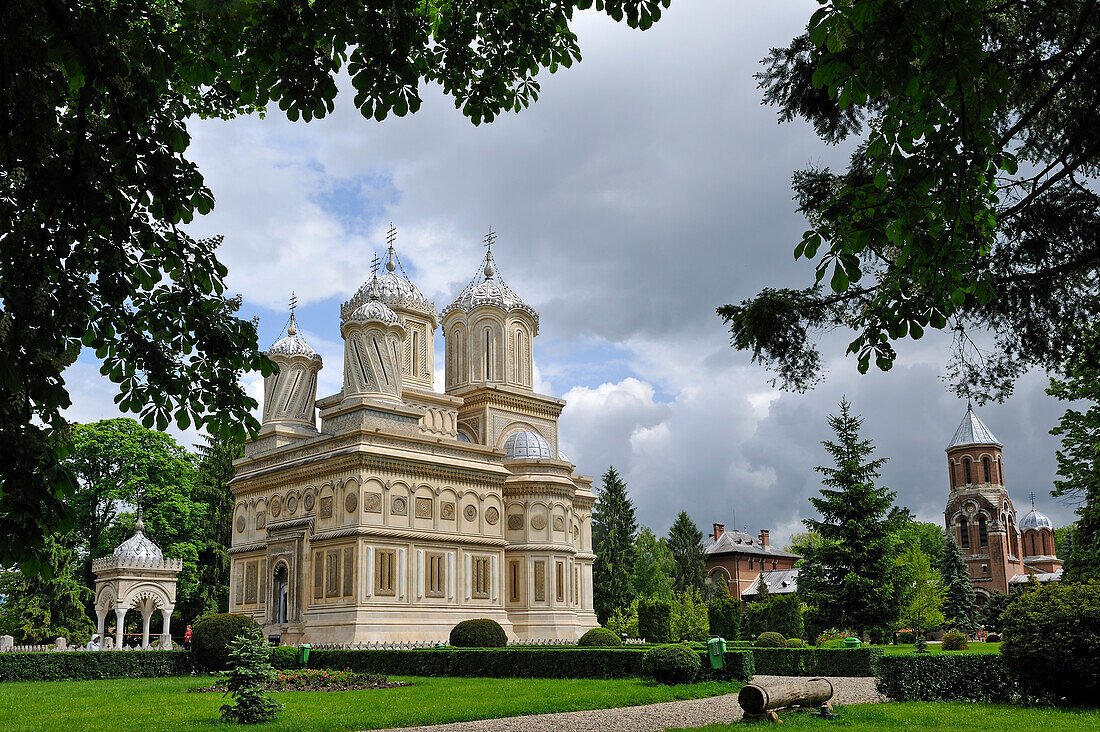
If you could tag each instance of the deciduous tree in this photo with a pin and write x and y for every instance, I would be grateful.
(653, 566)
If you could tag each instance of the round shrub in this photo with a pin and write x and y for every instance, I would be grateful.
(211, 635)
(993, 638)
(906, 637)
(675, 664)
(1051, 635)
(600, 637)
(954, 640)
(770, 640)
(795, 643)
(479, 633)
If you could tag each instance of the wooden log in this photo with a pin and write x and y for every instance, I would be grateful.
(758, 698)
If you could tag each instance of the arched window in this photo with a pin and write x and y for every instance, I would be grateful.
(966, 470)
(983, 533)
(964, 534)
(414, 369)
(985, 467)
(1001, 470)
(517, 357)
(488, 355)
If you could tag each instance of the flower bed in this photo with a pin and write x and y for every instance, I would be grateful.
(316, 679)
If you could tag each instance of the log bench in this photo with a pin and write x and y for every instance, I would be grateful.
(759, 701)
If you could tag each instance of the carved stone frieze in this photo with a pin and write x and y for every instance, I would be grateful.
(423, 507)
(325, 507)
(447, 510)
(399, 506)
(351, 502)
(372, 502)
(492, 515)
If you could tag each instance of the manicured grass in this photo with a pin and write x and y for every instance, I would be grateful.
(909, 648)
(943, 716)
(164, 704)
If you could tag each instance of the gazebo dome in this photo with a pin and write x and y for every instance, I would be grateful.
(139, 547)
(1035, 520)
(525, 445)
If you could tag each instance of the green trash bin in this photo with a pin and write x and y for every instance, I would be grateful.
(716, 651)
(303, 655)
(852, 643)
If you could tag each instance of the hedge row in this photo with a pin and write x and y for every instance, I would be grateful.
(547, 663)
(815, 661)
(79, 665)
(976, 678)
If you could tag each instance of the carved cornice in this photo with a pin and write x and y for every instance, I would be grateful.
(243, 548)
(548, 547)
(378, 532)
(531, 404)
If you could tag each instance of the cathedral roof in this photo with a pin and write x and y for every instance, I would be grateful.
(525, 445)
(1035, 520)
(487, 288)
(374, 309)
(972, 431)
(395, 290)
(139, 547)
(292, 344)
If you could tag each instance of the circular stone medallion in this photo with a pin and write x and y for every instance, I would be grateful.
(240, 524)
(399, 506)
(492, 515)
(276, 506)
(308, 501)
(351, 502)
(291, 504)
(470, 512)
(538, 523)
(515, 521)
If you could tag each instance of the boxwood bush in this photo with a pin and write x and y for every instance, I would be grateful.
(954, 640)
(479, 633)
(518, 662)
(815, 661)
(976, 678)
(673, 664)
(600, 637)
(1052, 640)
(284, 657)
(770, 640)
(210, 636)
(83, 665)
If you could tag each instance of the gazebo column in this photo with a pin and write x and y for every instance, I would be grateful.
(165, 635)
(146, 614)
(101, 617)
(120, 618)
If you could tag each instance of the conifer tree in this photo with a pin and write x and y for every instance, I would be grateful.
(960, 605)
(849, 578)
(685, 541)
(215, 470)
(613, 530)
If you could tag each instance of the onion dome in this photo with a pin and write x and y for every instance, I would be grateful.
(491, 290)
(526, 445)
(972, 431)
(292, 344)
(374, 309)
(139, 548)
(394, 291)
(1035, 520)
(463, 437)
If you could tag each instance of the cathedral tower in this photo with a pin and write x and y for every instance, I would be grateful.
(290, 394)
(374, 340)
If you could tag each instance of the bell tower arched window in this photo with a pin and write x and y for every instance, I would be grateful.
(488, 355)
(985, 468)
(964, 534)
(966, 470)
(983, 533)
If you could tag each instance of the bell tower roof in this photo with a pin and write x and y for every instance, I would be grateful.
(488, 288)
(972, 431)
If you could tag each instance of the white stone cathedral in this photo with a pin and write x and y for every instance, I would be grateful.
(408, 510)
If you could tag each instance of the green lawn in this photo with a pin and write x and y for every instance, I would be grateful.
(909, 648)
(943, 716)
(163, 704)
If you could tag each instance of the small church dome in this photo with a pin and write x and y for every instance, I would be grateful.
(139, 547)
(1035, 520)
(491, 290)
(525, 445)
(292, 344)
(375, 311)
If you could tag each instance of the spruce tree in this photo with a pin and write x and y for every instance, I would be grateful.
(960, 605)
(215, 470)
(613, 530)
(685, 541)
(849, 578)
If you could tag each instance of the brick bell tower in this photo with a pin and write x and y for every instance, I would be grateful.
(979, 512)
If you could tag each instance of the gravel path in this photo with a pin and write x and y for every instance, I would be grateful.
(651, 717)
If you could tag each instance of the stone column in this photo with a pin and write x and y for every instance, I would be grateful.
(146, 615)
(101, 617)
(165, 635)
(120, 617)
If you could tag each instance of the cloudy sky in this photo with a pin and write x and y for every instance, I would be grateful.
(646, 187)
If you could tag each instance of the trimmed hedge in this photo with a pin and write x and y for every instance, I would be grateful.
(284, 657)
(83, 665)
(600, 638)
(815, 661)
(675, 664)
(517, 662)
(975, 678)
(770, 640)
(478, 633)
(724, 615)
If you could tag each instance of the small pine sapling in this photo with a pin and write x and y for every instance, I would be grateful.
(250, 674)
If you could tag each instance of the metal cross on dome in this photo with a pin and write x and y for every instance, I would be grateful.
(293, 301)
(391, 236)
(490, 239)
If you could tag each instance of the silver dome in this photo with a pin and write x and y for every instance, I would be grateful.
(291, 344)
(1035, 520)
(525, 445)
(375, 311)
(393, 290)
(489, 290)
(139, 548)
(463, 437)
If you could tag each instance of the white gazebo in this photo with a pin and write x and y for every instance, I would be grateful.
(137, 576)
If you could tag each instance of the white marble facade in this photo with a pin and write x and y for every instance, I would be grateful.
(409, 510)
